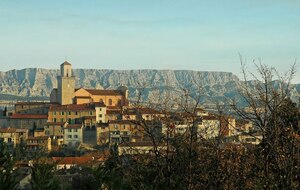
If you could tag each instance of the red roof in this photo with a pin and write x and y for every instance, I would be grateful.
(38, 138)
(28, 116)
(55, 123)
(122, 122)
(113, 112)
(104, 92)
(73, 126)
(72, 107)
(32, 103)
(73, 160)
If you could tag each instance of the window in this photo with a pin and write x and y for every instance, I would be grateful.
(124, 126)
(116, 126)
(75, 130)
(62, 119)
(54, 120)
(62, 113)
(47, 132)
(69, 136)
(9, 140)
(69, 130)
(100, 115)
(76, 113)
(70, 120)
(76, 136)
(70, 113)
(100, 109)
(101, 100)
(110, 102)
(91, 113)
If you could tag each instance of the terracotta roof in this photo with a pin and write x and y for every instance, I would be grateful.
(135, 144)
(8, 130)
(72, 107)
(73, 126)
(134, 111)
(72, 160)
(114, 107)
(88, 97)
(89, 117)
(113, 111)
(104, 92)
(122, 122)
(55, 123)
(66, 63)
(38, 138)
(28, 116)
(32, 103)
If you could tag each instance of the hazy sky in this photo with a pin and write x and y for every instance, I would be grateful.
(157, 34)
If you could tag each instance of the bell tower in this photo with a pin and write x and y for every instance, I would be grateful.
(66, 84)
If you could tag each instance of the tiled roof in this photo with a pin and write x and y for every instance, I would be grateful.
(122, 122)
(88, 97)
(8, 130)
(104, 92)
(28, 116)
(135, 144)
(38, 138)
(32, 103)
(13, 130)
(72, 107)
(73, 126)
(55, 123)
(72, 160)
(113, 111)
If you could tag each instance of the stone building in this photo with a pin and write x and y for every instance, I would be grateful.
(65, 93)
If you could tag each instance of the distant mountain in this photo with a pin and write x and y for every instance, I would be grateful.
(216, 86)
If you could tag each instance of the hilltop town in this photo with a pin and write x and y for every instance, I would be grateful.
(80, 127)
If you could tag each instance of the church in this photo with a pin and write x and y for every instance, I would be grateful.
(66, 93)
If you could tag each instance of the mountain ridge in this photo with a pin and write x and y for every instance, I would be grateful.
(216, 85)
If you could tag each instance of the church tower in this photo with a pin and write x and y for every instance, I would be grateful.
(66, 84)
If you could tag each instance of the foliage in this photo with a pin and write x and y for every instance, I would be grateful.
(42, 176)
(8, 175)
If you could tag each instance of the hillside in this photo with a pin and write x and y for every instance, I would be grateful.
(216, 86)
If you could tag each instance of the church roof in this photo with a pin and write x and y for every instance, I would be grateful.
(104, 92)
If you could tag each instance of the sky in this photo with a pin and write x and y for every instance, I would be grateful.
(158, 34)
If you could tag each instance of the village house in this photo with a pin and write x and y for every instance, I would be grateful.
(28, 121)
(70, 162)
(73, 134)
(38, 143)
(13, 136)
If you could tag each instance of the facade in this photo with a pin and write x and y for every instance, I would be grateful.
(108, 97)
(136, 148)
(32, 108)
(73, 134)
(72, 114)
(38, 143)
(28, 121)
(13, 136)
